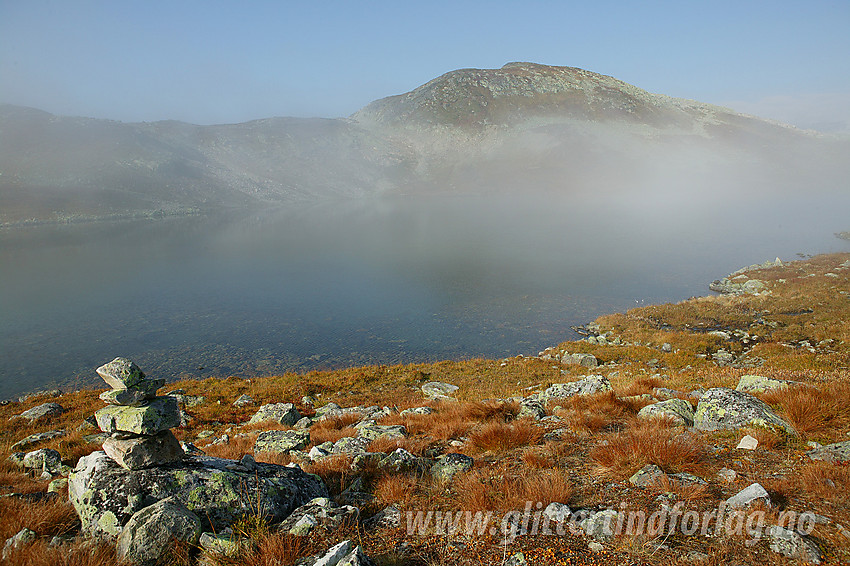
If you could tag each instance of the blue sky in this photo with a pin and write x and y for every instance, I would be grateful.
(218, 61)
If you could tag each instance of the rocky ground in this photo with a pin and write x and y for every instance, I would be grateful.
(712, 431)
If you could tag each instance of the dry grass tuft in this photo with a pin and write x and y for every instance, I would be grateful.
(416, 446)
(234, 449)
(334, 471)
(826, 481)
(499, 436)
(589, 414)
(46, 517)
(488, 489)
(821, 411)
(395, 489)
(82, 553)
(650, 441)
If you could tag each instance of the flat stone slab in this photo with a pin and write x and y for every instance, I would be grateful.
(758, 383)
(160, 414)
(144, 451)
(36, 438)
(105, 495)
(749, 495)
(439, 390)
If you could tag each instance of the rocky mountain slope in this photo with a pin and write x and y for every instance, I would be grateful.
(519, 127)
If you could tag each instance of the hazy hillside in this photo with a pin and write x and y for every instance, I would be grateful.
(519, 128)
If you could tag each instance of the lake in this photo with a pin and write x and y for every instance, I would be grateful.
(373, 281)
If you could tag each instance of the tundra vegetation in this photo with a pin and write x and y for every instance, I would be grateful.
(583, 451)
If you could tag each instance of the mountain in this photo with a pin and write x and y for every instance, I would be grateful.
(518, 128)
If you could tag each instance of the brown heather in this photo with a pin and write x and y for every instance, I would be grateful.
(504, 490)
(498, 436)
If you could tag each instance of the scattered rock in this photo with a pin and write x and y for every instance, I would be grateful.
(374, 431)
(748, 443)
(387, 518)
(557, 512)
(584, 360)
(439, 390)
(42, 411)
(36, 438)
(517, 559)
(417, 411)
(244, 401)
(448, 466)
(45, 459)
(587, 386)
(600, 526)
(752, 494)
(150, 531)
(727, 475)
(320, 511)
(722, 408)
(351, 445)
(282, 440)
(58, 485)
(22, 538)
(793, 545)
(280, 413)
(679, 410)
(531, 408)
(757, 383)
(838, 452)
(647, 476)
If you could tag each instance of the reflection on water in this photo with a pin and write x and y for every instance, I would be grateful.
(362, 282)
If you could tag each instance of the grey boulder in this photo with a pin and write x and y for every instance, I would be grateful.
(160, 414)
(679, 410)
(722, 409)
(150, 531)
(281, 440)
(121, 373)
(106, 495)
(838, 452)
(587, 386)
(439, 390)
(42, 411)
(280, 413)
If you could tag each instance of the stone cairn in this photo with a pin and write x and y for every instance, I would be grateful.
(137, 421)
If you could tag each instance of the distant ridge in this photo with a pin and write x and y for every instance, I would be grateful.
(525, 124)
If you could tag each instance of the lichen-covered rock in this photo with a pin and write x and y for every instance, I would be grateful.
(793, 545)
(343, 554)
(679, 410)
(531, 408)
(439, 390)
(587, 386)
(374, 431)
(351, 445)
(148, 534)
(281, 440)
(280, 413)
(137, 395)
(106, 495)
(647, 476)
(722, 409)
(757, 383)
(417, 411)
(225, 544)
(159, 415)
(151, 530)
(22, 538)
(319, 512)
(838, 452)
(45, 459)
(448, 466)
(144, 451)
(601, 526)
(42, 411)
(121, 373)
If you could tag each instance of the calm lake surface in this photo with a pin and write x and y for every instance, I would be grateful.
(364, 282)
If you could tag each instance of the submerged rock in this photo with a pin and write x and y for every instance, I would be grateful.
(106, 495)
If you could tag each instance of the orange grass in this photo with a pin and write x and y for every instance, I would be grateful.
(821, 411)
(491, 490)
(499, 436)
(82, 553)
(650, 441)
(47, 517)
